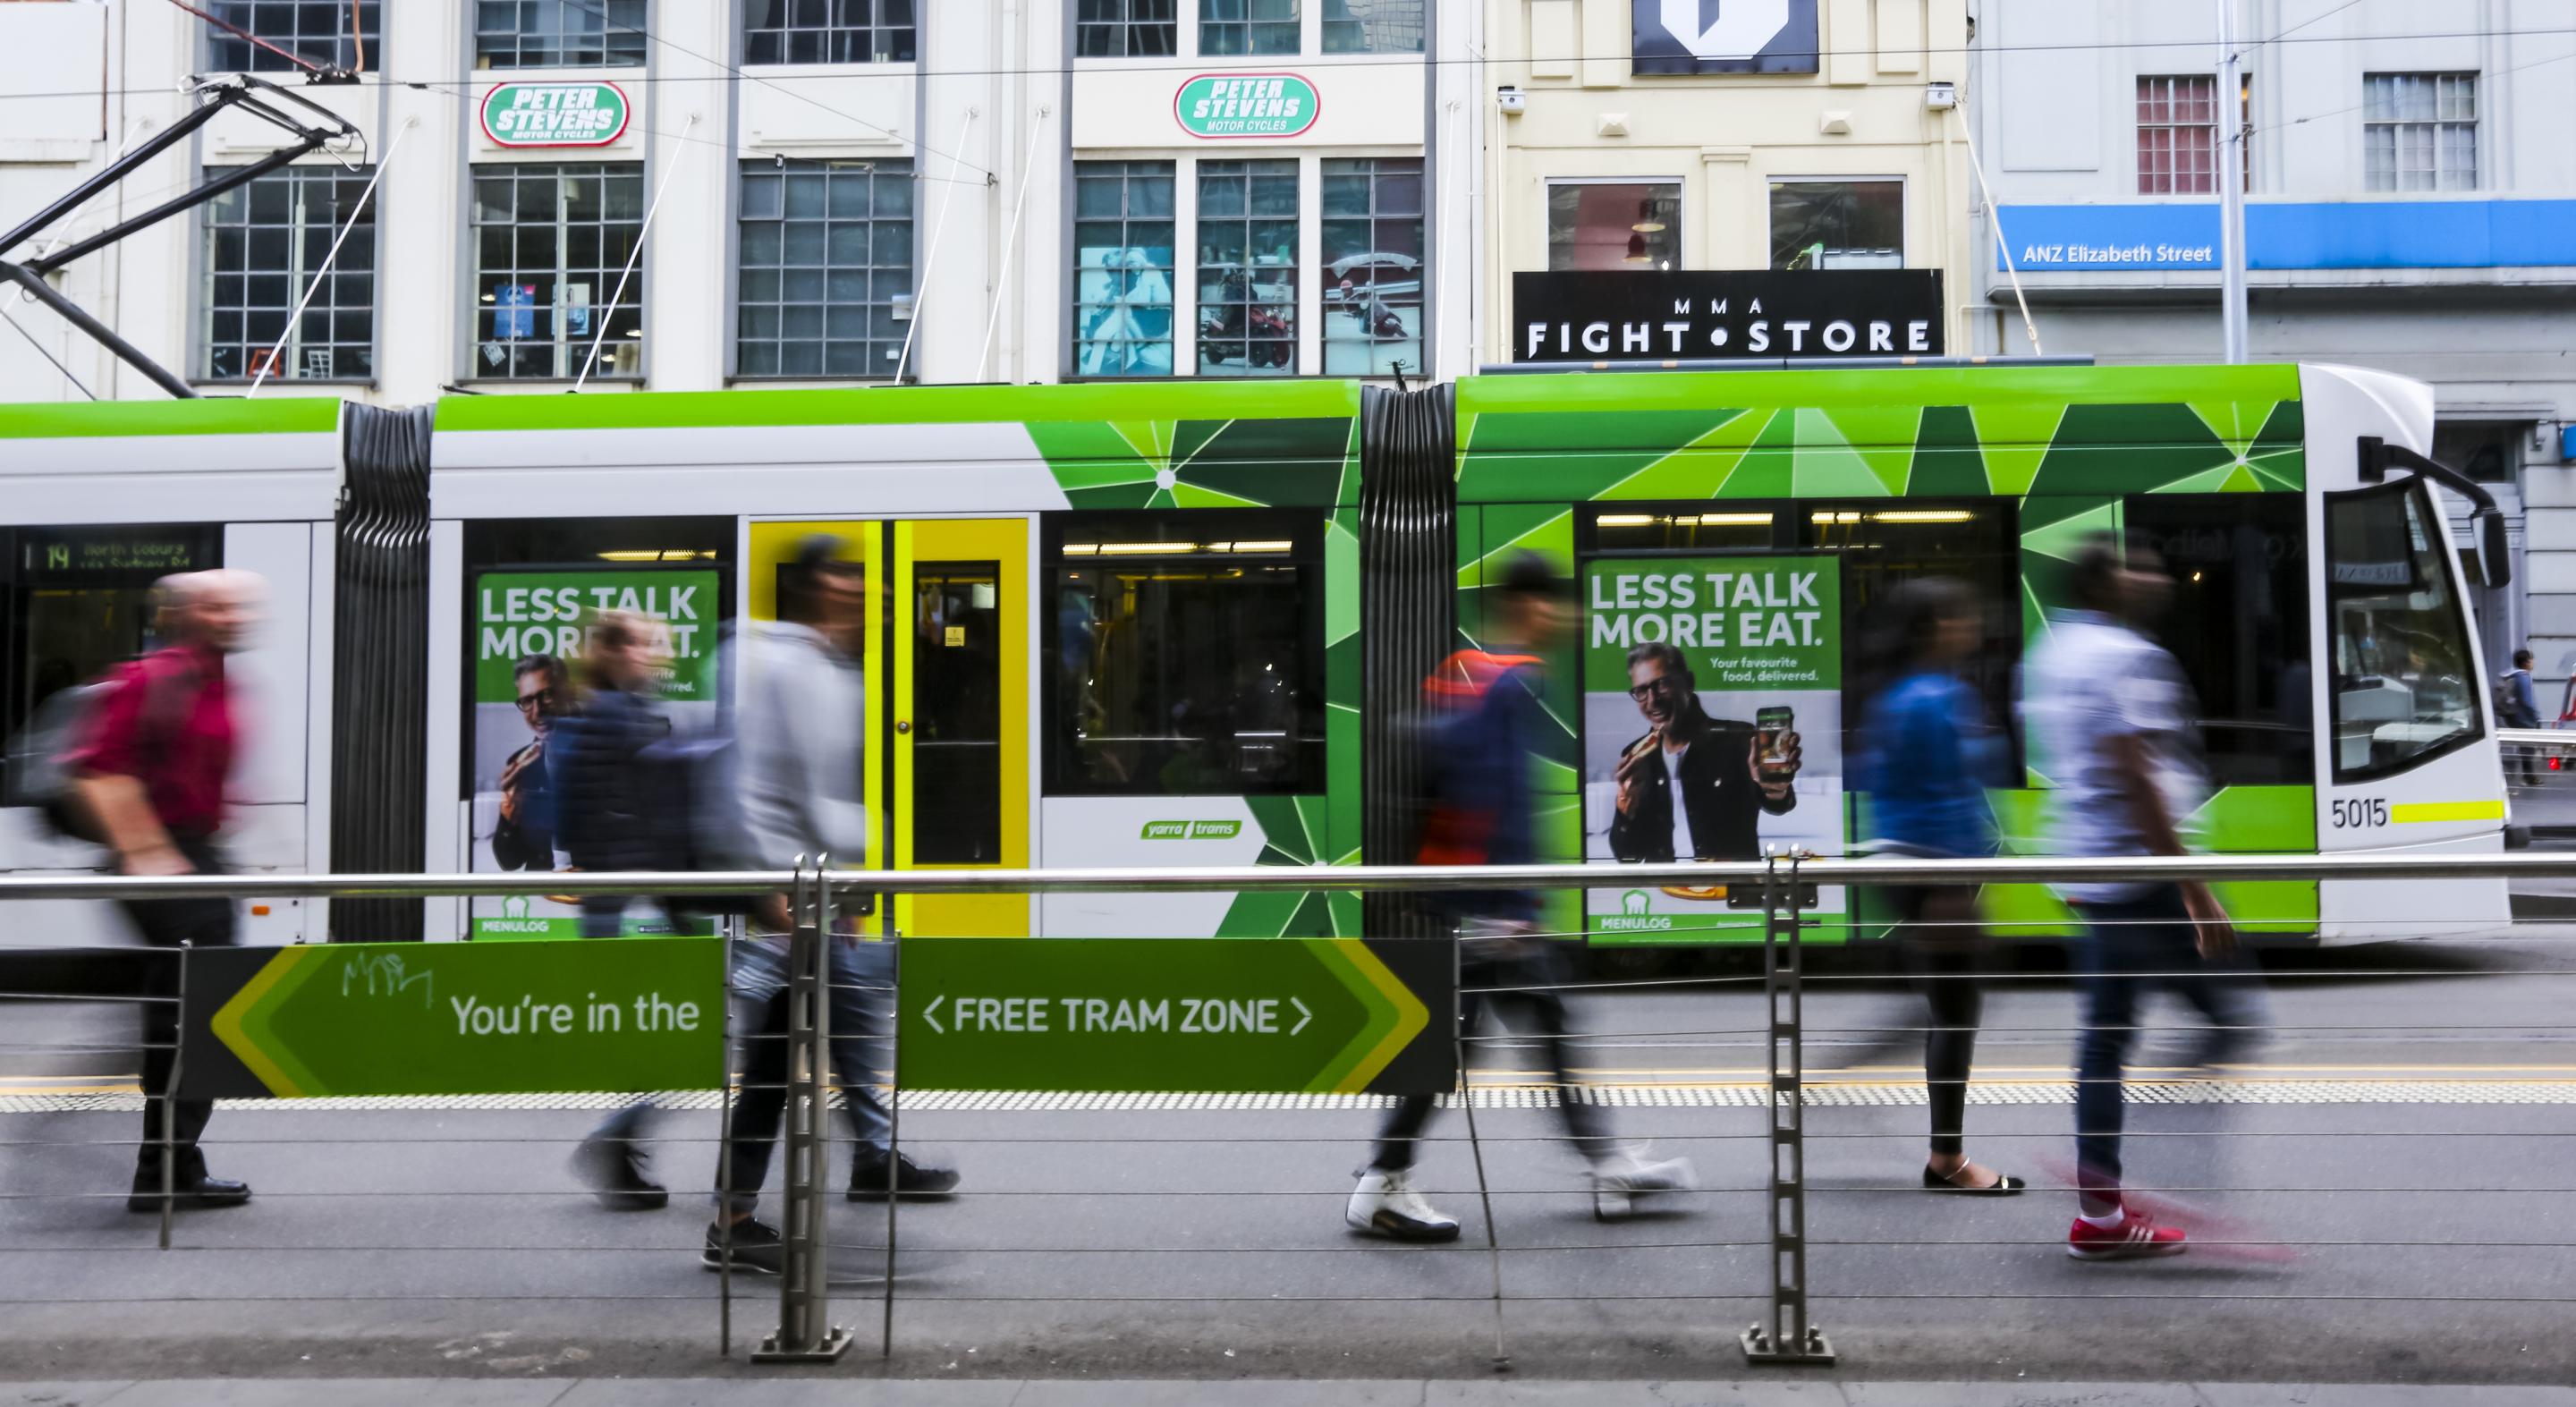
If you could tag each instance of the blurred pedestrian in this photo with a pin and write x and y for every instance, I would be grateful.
(2111, 722)
(2518, 706)
(151, 772)
(1926, 759)
(612, 813)
(800, 737)
(1486, 719)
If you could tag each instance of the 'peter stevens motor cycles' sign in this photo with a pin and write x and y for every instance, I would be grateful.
(554, 114)
(1223, 106)
(1653, 315)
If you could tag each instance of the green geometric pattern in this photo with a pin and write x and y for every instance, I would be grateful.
(2069, 443)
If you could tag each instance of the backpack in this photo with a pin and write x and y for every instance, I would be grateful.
(40, 767)
(1450, 734)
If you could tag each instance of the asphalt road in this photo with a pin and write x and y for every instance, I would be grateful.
(2381, 1196)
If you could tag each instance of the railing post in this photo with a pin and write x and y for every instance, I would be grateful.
(805, 1331)
(170, 1098)
(1786, 1336)
(894, 1111)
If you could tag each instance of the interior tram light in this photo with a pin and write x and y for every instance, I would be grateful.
(1900, 515)
(1683, 520)
(1172, 549)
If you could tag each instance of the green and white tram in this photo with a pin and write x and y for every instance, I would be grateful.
(1171, 624)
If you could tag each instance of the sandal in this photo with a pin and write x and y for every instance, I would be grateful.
(2004, 1185)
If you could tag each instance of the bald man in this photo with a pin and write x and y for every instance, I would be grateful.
(152, 773)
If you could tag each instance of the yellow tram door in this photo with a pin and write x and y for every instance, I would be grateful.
(947, 654)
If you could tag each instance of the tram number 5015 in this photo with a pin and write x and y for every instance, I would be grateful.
(2369, 813)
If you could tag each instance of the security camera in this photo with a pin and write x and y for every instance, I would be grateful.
(1511, 100)
(1941, 97)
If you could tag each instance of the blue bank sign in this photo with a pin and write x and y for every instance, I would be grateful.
(2349, 234)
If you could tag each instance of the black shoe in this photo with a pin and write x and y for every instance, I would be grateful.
(614, 1167)
(200, 1193)
(911, 1179)
(753, 1246)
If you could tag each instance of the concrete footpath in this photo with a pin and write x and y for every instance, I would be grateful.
(1788, 1391)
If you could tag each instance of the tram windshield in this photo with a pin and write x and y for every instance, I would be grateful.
(2405, 678)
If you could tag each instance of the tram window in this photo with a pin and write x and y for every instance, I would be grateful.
(2239, 625)
(957, 713)
(1185, 653)
(78, 600)
(1882, 544)
(2404, 689)
(1696, 528)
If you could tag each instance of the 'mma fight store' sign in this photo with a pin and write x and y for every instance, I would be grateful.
(1655, 315)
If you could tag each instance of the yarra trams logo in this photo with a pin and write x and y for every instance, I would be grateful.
(1192, 830)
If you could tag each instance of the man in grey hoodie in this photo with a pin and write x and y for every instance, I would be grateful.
(800, 729)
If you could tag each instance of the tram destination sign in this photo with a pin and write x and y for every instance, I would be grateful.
(319, 1020)
(1184, 1015)
(1656, 315)
(554, 114)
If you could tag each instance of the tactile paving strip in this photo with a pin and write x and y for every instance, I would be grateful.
(1823, 1095)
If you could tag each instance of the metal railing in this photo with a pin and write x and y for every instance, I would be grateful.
(1786, 1333)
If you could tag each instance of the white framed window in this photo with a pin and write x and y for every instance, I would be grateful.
(318, 33)
(1373, 269)
(265, 241)
(1231, 28)
(1126, 29)
(1838, 222)
(1373, 26)
(559, 33)
(1247, 267)
(827, 32)
(550, 242)
(825, 268)
(1123, 267)
(2419, 131)
(1610, 224)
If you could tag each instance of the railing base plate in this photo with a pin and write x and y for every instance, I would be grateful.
(834, 1344)
(1759, 1348)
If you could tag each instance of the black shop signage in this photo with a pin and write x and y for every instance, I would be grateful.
(1723, 36)
(1694, 316)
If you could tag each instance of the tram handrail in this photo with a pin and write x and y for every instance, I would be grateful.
(1282, 878)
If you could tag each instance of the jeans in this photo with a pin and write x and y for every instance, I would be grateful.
(2128, 946)
(167, 923)
(603, 916)
(862, 1005)
(1541, 969)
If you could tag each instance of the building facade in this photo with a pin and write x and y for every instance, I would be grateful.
(2410, 205)
(686, 196)
(1818, 138)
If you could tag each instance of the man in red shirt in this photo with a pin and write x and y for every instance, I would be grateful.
(152, 773)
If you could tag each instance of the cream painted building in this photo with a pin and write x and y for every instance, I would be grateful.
(1617, 141)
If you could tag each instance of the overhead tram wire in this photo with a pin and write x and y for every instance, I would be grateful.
(433, 85)
(601, 11)
(1395, 61)
(42, 351)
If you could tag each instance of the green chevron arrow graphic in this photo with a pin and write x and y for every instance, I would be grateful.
(1198, 1015)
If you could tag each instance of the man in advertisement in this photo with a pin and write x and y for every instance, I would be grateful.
(524, 837)
(1726, 774)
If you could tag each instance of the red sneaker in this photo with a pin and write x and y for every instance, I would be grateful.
(2136, 1238)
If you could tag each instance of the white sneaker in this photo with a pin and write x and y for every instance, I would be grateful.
(1385, 1204)
(1626, 1171)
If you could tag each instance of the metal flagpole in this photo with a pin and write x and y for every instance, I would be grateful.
(1002, 280)
(279, 346)
(930, 260)
(632, 255)
(2230, 120)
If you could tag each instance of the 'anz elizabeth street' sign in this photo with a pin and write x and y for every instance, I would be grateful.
(1653, 315)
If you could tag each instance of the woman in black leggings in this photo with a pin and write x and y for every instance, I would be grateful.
(1926, 756)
